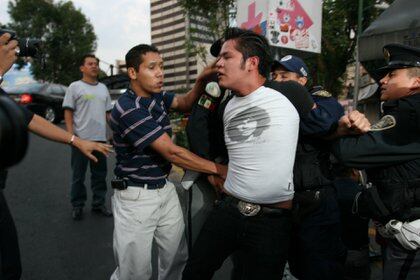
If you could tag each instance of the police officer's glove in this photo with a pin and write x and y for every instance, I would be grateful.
(407, 234)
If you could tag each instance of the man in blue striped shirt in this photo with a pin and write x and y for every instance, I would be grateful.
(145, 204)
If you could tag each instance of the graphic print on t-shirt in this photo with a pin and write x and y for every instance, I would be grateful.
(251, 122)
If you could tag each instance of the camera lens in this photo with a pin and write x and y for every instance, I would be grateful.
(29, 47)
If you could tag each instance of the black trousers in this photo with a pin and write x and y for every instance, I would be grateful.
(260, 242)
(11, 268)
(98, 170)
(317, 251)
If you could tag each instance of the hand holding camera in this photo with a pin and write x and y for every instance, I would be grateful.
(8, 53)
(13, 128)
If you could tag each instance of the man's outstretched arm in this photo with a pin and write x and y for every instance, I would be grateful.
(42, 127)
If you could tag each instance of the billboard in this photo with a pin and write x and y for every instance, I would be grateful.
(293, 24)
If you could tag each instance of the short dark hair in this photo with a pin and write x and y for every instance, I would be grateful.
(82, 61)
(249, 44)
(134, 57)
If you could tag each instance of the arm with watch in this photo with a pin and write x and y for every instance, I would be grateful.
(42, 127)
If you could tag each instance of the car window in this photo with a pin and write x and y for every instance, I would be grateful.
(55, 89)
(49, 90)
(25, 88)
(63, 88)
(59, 90)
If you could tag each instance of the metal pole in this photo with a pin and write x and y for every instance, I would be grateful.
(357, 64)
(187, 53)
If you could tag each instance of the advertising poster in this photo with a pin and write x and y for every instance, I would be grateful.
(293, 24)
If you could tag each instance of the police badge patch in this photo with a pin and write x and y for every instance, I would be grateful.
(322, 93)
(386, 122)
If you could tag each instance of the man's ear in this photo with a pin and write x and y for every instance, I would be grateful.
(132, 74)
(80, 68)
(415, 86)
(253, 62)
(302, 80)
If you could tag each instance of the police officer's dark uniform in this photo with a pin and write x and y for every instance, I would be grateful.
(391, 156)
(354, 228)
(316, 251)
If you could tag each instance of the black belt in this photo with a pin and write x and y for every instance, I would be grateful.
(145, 185)
(253, 209)
(123, 183)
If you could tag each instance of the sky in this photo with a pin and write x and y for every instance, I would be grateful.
(118, 24)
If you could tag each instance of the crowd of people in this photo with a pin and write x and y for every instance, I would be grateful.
(283, 159)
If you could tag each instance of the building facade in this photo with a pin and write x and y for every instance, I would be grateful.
(172, 30)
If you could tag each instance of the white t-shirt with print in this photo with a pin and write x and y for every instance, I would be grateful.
(261, 133)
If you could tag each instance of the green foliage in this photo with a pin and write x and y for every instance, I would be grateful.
(339, 29)
(66, 34)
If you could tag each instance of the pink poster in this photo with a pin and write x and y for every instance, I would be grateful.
(294, 24)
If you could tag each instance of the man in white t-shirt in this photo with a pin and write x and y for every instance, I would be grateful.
(261, 130)
(87, 105)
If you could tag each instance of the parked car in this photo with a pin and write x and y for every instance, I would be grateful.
(44, 99)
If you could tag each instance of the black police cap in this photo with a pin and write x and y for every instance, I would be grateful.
(399, 56)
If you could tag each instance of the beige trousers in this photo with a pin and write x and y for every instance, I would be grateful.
(142, 216)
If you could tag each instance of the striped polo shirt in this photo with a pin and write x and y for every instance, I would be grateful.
(136, 122)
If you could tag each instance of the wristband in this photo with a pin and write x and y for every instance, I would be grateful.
(72, 139)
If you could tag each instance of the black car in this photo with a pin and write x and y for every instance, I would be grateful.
(44, 99)
(116, 84)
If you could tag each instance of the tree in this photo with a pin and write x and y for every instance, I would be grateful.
(66, 34)
(339, 29)
(339, 26)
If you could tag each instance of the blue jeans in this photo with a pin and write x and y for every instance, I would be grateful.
(260, 242)
(98, 172)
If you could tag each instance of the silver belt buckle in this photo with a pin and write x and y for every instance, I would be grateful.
(248, 209)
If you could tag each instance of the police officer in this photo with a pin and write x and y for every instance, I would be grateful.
(390, 153)
(317, 251)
